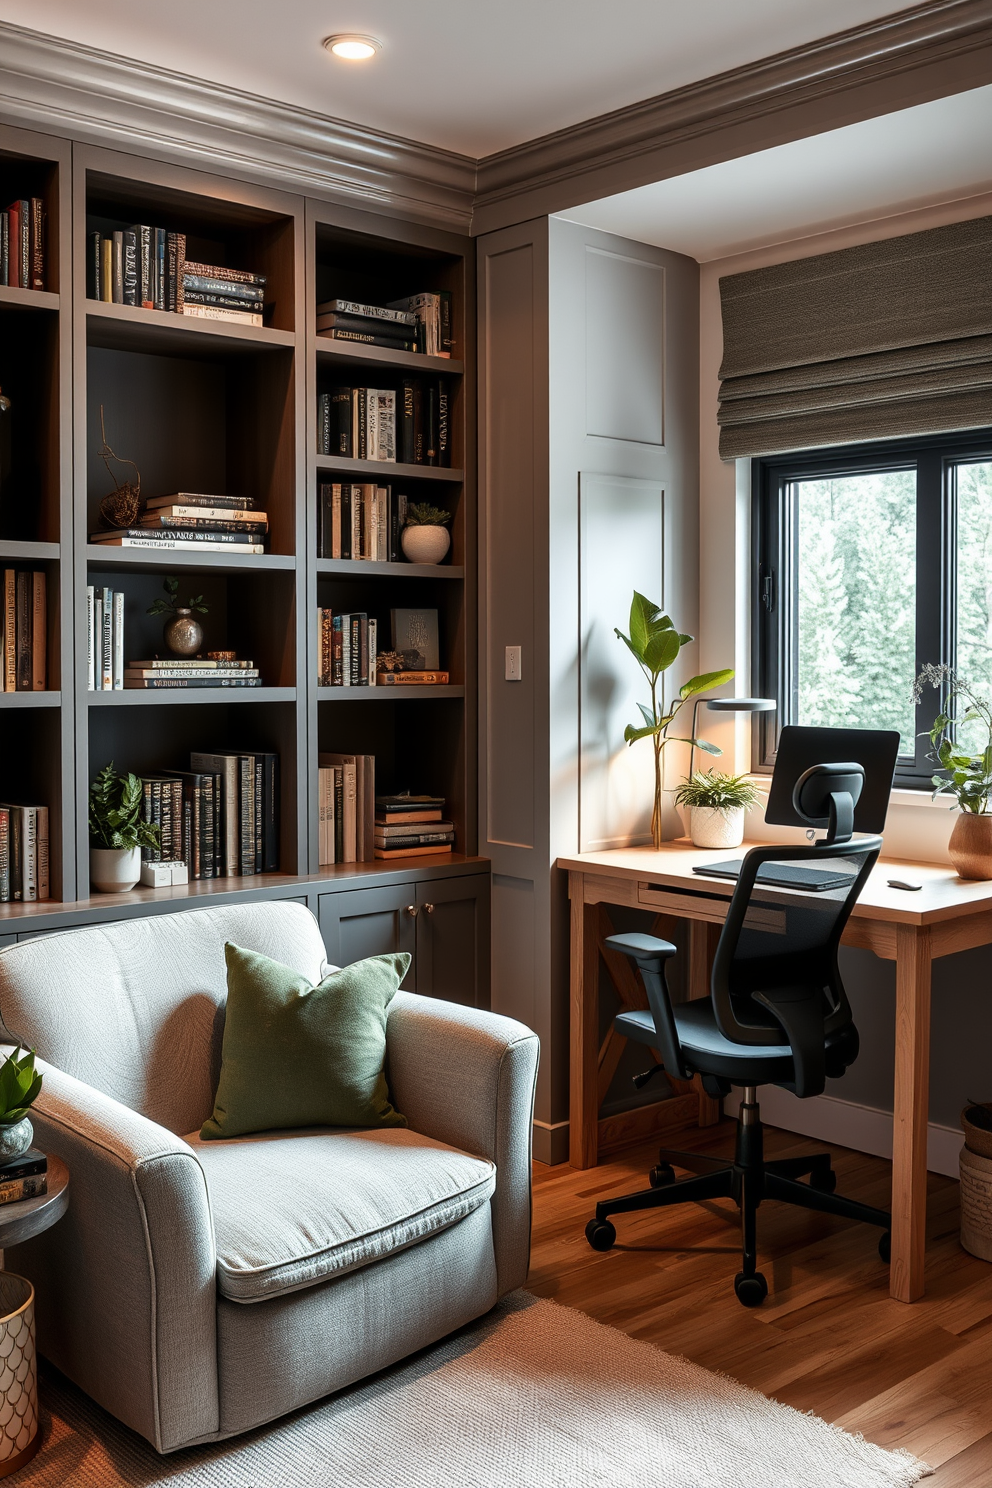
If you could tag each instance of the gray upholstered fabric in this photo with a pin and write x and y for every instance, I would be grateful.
(292, 1210)
(294, 1349)
(127, 1281)
(154, 991)
(468, 1078)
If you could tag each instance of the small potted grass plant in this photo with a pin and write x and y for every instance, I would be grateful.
(117, 831)
(716, 804)
(20, 1085)
(425, 538)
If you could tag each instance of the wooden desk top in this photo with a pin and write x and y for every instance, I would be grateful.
(943, 896)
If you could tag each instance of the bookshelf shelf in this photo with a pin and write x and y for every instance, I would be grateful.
(386, 694)
(130, 328)
(345, 354)
(386, 471)
(29, 299)
(30, 700)
(138, 697)
(353, 568)
(29, 552)
(98, 556)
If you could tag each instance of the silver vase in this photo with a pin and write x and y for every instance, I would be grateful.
(183, 635)
(15, 1137)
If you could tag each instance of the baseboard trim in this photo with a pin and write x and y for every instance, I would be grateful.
(849, 1124)
(550, 1142)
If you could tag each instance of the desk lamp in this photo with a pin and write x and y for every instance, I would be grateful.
(728, 705)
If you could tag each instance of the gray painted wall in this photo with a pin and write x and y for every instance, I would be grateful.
(589, 487)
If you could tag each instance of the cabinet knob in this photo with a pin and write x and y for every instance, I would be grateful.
(428, 909)
(412, 911)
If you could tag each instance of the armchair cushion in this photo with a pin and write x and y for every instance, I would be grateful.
(293, 1210)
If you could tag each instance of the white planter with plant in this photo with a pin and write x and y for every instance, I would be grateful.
(117, 832)
(967, 777)
(716, 806)
(655, 644)
(425, 538)
(20, 1085)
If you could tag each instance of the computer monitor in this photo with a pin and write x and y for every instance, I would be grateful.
(801, 747)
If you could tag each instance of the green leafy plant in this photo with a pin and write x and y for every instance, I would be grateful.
(721, 792)
(422, 514)
(968, 777)
(115, 813)
(171, 605)
(655, 644)
(20, 1086)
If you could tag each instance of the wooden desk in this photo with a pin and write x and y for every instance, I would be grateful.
(911, 929)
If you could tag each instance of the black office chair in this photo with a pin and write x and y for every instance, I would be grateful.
(777, 1014)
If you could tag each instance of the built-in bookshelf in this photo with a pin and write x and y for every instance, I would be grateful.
(230, 408)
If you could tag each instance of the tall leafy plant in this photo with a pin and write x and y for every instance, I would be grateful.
(115, 813)
(655, 644)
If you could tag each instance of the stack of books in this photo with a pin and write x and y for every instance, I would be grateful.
(22, 244)
(347, 649)
(147, 266)
(25, 631)
(412, 425)
(24, 1177)
(361, 522)
(412, 826)
(220, 817)
(104, 639)
(420, 322)
(215, 293)
(188, 519)
(23, 853)
(175, 671)
(345, 808)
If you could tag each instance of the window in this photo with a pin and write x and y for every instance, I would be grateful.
(871, 561)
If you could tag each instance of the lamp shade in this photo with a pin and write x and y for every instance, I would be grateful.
(741, 705)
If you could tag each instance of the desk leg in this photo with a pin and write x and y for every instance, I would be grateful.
(583, 1145)
(910, 1113)
(703, 939)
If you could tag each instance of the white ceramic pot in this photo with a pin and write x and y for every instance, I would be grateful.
(425, 544)
(114, 870)
(715, 826)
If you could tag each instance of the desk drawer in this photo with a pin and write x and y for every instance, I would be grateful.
(688, 904)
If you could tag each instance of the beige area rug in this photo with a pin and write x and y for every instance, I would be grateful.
(534, 1396)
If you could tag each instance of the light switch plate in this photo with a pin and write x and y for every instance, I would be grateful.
(512, 664)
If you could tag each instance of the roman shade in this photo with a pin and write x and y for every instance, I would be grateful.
(879, 341)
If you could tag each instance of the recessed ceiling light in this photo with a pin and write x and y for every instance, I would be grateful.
(353, 48)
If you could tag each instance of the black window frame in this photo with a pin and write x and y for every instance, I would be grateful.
(773, 537)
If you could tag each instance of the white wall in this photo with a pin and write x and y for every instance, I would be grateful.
(961, 1067)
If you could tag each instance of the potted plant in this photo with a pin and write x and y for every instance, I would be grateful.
(655, 644)
(182, 634)
(117, 832)
(967, 777)
(20, 1085)
(425, 538)
(716, 805)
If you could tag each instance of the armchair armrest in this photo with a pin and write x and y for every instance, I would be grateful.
(126, 1280)
(467, 1078)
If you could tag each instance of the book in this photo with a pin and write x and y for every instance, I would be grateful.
(399, 830)
(107, 271)
(367, 338)
(417, 839)
(214, 284)
(29, 853)
(129, 268)
(44, 876)
(169, 538)
(217, 271)
(217, 312)
(10, 630)
(415, 638)
(165, 510)
(4, 855)
(132, 670)
(427, 309)
(153, 521)
(117, 660)
(117, 268)
(199, 663)
(28, 1165)
(405, 446)
(24, 631)
(198, 499)
(225, 768)
(406, 820)
(412, 852)
(146, 293)
(334, 422)
(17, 1189)
(405, 801)
(160, 683)
(38, 632)
(367, 312)
(370, 325)
(106, 640)
(412, 679)
(222, 301)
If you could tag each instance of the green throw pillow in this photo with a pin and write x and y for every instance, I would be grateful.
(297, 1055)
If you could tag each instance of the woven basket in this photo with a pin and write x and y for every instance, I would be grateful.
(976, 1204)
(976, 1138)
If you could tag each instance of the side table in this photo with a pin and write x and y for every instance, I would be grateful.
(20, 1437)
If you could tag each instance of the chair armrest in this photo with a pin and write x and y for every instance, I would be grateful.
(125, 1281)
(467, 1078)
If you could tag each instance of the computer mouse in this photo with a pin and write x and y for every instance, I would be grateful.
(902, 883)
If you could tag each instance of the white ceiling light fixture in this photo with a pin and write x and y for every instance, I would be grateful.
(352, 48)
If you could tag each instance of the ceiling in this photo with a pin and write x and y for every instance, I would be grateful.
(467, 75)
(935, 152)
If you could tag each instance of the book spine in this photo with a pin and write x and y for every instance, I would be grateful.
(171, 263)
(17, 1189)
(345, 650)
(355, 538)
(419, 839)
(337, 652)
(4, 855)
(430, 424)
(382, 524)
(129, 268)
(107, 271)
(146, 289)
(29, 852)
(117, 268)
(117, 667)
(196, 800)
(246, 824)
(4, 248)
(24, 632)
(325, 492)
(386, 426)
(367, 338)
(373, 524)
(368, 312)
(215, 271)
(447, 336)
(373, 649)
(222, 301)
(413, 679)
(259, 813)
(158, 269)
(98, 641)
(94, 265)
(9, 630)
(16, 837)
(178, 845)
(14, 245)
(443, 423)
(338, 814)
(187, 833)
(90, 637)
(156, 522)
(404, 433)
(362, 449)
(25, 224)
(39, 632)
(107, 643)
(355, 669)
(216, 312)
(207, 848)
(341, 421)
(230, 288)
(214, 542)
(270, 863)
(179, 280)
(335, 551)
(147, 853)
(235, 516)
(324, 424)
(158, 852)
(418, 425)
(345, 522)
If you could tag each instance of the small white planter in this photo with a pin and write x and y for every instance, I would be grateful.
(715, 826)
(425, 544)
(114, 870)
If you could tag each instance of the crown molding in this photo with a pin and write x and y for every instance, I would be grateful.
(933, 50)
(60, 86)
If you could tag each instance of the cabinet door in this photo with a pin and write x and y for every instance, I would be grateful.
(369, 922)
(453, 939)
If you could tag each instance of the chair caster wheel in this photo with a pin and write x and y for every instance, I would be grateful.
(601, 1234)
(885, 1247)
(660, 1175)
(824, 1180)
(751, 1290)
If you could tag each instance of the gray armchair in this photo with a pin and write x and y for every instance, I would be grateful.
(198, 1289)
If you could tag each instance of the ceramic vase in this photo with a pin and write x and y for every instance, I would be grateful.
(970, 847)
(114, 870)
(15, 1137)
(716, 826)
(183, 635)
(425, 544)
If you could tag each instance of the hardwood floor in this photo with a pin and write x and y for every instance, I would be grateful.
(828, 1339)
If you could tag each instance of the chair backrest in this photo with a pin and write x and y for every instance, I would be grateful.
(136, 1008)
(775, 967)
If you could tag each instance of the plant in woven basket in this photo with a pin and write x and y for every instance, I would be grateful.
(122, 507)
